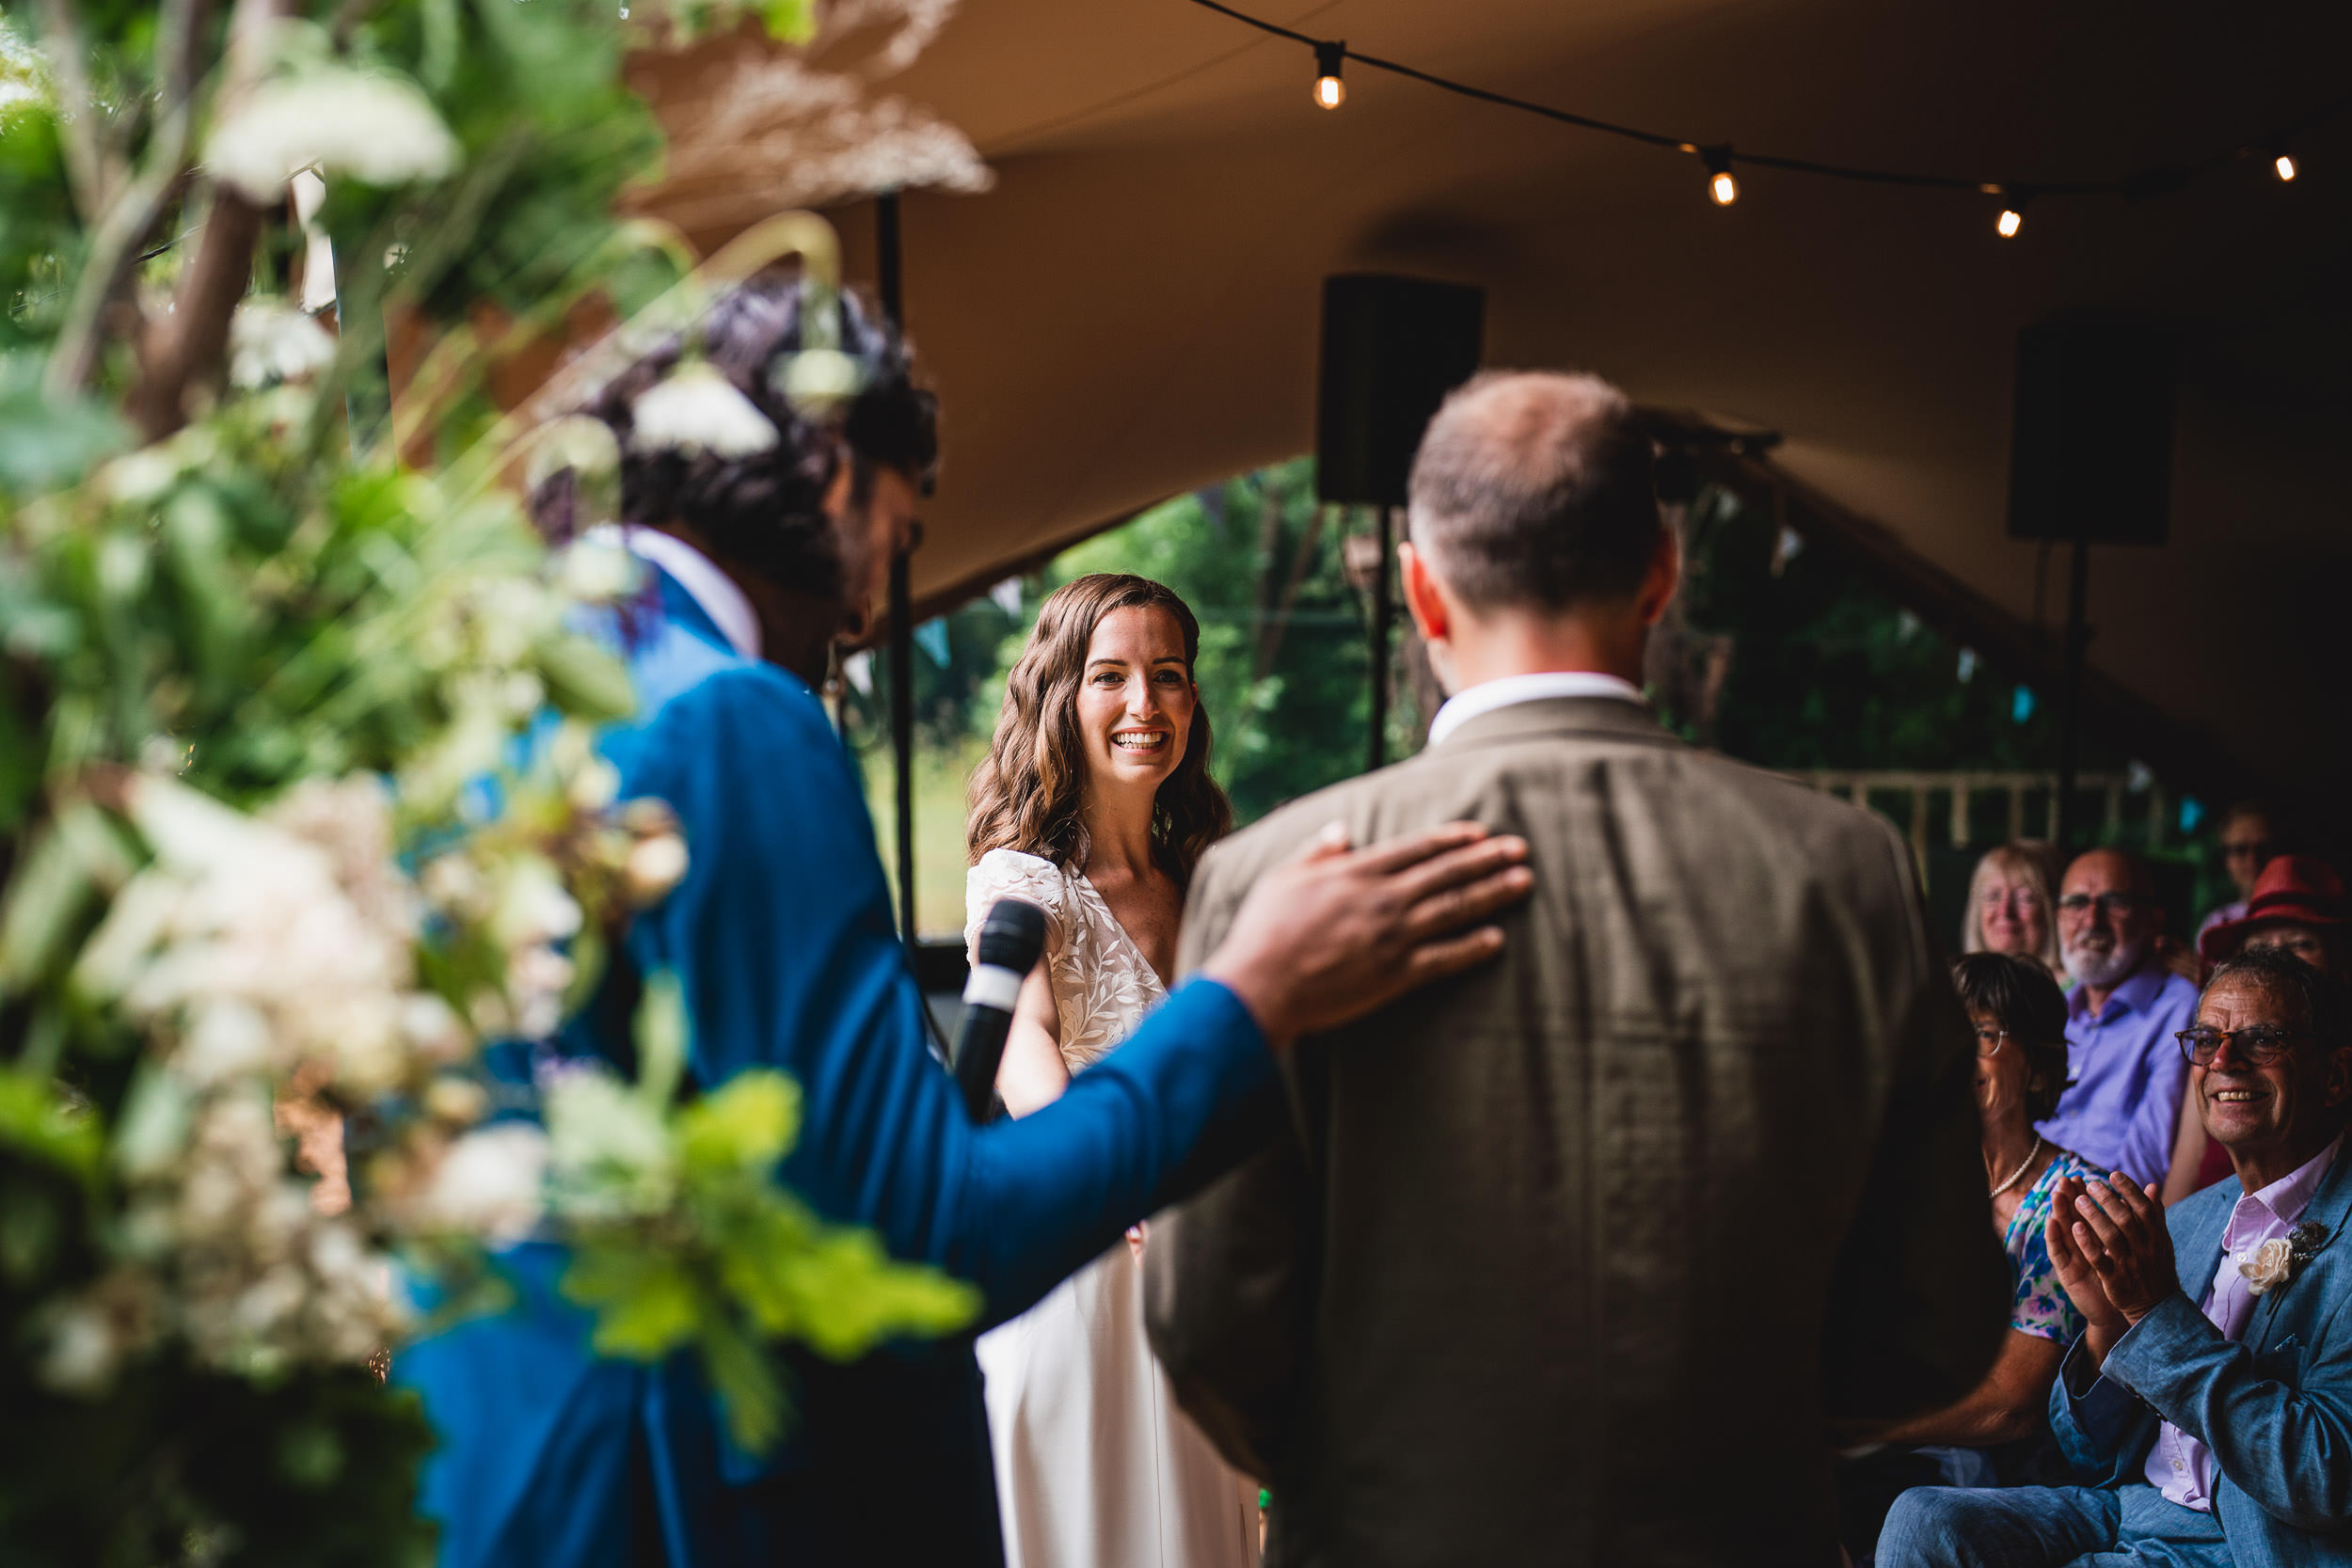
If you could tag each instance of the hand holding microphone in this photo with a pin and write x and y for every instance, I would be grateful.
(1011, 938)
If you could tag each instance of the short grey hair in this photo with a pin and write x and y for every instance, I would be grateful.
(1536, 489)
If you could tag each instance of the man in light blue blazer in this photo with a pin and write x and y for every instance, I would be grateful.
(782, 940)
(2212, 1393)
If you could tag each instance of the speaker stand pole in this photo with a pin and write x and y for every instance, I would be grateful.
(2071, 699)
(901, 607)
(1383, 618)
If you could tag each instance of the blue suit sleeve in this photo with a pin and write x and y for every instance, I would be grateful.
(782, 937)
(2097, 1422)
(2287, 1446)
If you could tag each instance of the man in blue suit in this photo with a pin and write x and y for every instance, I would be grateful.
(766, 521)
(2212, 1392)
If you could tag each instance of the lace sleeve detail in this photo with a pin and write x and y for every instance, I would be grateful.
(1010, 874)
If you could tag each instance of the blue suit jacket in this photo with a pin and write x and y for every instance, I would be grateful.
(2275, 1408)
(782, 938)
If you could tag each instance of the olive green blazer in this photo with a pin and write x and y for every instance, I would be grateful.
(1591, 1255)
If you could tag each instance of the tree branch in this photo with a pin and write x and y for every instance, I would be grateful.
(69, 52)
(128, 220)
(187, 351)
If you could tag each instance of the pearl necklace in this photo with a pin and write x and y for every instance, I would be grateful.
(2022, 1167)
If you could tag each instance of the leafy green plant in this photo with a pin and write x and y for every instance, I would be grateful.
(299, 803)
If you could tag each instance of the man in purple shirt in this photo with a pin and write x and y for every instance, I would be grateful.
(2124, 1109)
(2211, 1394)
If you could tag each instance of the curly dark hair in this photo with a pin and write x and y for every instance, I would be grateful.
(2023, 1000)
(1026, 792)
(766, 510)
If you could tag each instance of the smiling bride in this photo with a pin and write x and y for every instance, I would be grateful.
(1095, 803)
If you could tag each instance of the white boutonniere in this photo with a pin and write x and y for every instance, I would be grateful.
(2278, 1260)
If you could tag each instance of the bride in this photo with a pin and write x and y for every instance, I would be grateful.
(1095, 803)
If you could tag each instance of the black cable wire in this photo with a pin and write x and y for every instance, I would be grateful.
(2160, 181)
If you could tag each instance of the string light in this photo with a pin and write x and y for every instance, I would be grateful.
(1720, 183)
(1725, 187)
(2012, 215)
(1330, 90)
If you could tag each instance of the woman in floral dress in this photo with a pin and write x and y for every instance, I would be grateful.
(1991, 1438)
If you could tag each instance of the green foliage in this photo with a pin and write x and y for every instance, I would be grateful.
(319, 1469)
(1824, 673)
(259, 680)
(739, 1261)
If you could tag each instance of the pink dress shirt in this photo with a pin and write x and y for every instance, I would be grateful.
(2179, 1466)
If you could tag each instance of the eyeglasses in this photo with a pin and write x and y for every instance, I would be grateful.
(1989, 1042)
(2255, 1046)
(2110, 904)
(2017, 898)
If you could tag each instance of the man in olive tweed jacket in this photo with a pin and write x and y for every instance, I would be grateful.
(1590, 1256)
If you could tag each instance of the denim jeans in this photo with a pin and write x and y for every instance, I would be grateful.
(2048, 1527)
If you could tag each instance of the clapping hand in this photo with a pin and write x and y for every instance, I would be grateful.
(2112, 1252)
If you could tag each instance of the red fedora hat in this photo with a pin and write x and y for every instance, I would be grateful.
(2300, 888)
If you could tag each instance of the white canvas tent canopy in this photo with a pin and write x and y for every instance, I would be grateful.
(1131, 312)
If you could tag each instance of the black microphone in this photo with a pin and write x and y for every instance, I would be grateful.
(1011, 938)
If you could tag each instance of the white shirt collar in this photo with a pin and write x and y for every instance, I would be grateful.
(1487, 696)
(726, 605)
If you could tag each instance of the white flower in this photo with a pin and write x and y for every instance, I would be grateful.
(377, 128)
(611, 1155)
(82, 1352)
(489, 1183)
(594, 572)
(458, 1101)
(697, 409)
(2268, 1266)
(818, 380)
(229, 1037)
(581, 442)
(595, 784)
(533, 906)
(654, 866)
(270, 340)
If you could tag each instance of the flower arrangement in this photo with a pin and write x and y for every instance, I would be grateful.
(300, 807)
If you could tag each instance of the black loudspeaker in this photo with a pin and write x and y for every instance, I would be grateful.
(1392, 348)
(2091, 448)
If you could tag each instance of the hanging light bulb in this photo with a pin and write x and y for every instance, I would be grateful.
(2012, 213)
(2282, 161)
(1330, 92)
(1721, 183)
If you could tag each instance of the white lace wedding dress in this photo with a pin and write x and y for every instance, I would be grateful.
(1095, 1465)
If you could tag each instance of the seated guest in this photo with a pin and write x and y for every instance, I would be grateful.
(2297, 904)
(2122, 1111)
(2009, 906)
(2020, 1020)
(2212, 1392)
(2248, 840)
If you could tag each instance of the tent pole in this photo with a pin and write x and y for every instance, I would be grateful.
(901, 607)
(2071, 699)
(1383, 617)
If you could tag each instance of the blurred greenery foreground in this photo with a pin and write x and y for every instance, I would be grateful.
(298, 807)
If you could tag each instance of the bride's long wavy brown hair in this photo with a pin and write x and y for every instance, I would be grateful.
(1027, 793)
